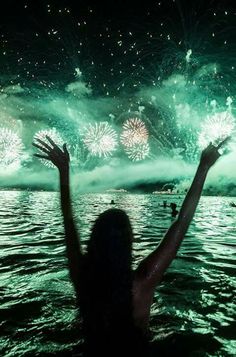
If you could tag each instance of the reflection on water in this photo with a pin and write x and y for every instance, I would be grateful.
(194, 309)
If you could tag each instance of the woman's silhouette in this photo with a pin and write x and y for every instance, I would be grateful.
(114, 300)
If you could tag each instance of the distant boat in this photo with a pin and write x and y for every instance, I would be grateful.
(163, 192)
(116, 190)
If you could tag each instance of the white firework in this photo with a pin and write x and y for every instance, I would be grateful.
(55, 136)
(216, 128)
(134, 132)
(11, 149)
(100, 139)
(137, 152)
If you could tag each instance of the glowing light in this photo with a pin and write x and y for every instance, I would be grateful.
(216, 128)
(134, 132)
(100, 139)
(188, 56)
(55, 136)
(137, 152)
(10, 149)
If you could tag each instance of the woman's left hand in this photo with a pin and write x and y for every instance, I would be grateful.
(59, 157)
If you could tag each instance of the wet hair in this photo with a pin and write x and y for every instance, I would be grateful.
(106, 285)
(111, 236)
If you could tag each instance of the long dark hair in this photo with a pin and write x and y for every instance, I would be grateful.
(106, 285)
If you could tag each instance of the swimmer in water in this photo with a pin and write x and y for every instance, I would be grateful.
(114, 299)
(174, 211)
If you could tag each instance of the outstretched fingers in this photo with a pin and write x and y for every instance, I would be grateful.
(52, 154)
(66, 152)
(47, 149)
(223, 142)
(44, 144)
(65, 149)
(42, 156)
(54, 145)
(41, 148)
(51, 141)
(59, 157)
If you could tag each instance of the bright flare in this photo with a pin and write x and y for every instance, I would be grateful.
(137, 152)
(134, 133)
(216, 128)
(100, 139)
(11, 148)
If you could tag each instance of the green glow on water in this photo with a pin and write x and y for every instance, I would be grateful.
(194, 304)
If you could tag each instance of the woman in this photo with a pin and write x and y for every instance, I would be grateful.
(114, 300)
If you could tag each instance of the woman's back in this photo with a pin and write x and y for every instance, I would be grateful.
(106, 287)
(106, 308)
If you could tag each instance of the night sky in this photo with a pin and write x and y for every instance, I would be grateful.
(118, 45)
(77, 66)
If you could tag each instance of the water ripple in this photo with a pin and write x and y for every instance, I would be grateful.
(194, 309)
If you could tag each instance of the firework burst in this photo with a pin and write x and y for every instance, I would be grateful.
(137, 152)
(11, 148)
(216, 128)
(55, 136)
(134, 133)
(100, 139)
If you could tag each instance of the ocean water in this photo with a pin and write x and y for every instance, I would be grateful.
(194, 309)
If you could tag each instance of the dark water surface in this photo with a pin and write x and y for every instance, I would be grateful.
(194, 310)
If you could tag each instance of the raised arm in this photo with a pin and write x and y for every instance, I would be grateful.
(152, 268)
(61, 159)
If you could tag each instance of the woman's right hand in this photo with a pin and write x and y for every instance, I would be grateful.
(211, 154)
(59, 157)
